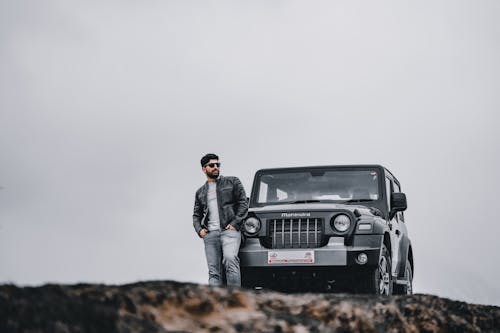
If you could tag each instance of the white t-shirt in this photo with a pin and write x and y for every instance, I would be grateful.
(213, 208)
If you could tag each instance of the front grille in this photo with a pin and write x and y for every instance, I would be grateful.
(295, 233)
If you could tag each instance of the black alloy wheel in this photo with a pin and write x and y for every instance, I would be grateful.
(384, 273)
(379, 280)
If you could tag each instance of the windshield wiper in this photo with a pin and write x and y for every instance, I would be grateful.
(303, 201)
(358, 200)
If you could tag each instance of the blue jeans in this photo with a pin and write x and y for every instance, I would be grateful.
(221, 250)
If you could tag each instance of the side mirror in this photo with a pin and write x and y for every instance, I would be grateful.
(398, 202)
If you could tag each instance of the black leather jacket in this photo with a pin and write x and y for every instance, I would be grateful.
(231, 201)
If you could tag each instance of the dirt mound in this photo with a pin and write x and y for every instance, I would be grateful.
(166, 306)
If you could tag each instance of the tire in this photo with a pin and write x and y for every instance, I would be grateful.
(379, 280)
(407, 288)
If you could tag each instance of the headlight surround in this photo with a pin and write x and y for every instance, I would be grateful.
(341, 223)
(252, 225)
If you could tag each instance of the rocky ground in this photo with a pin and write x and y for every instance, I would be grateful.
(166, 306)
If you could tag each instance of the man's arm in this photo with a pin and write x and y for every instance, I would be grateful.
(197, 215)
(241, 204)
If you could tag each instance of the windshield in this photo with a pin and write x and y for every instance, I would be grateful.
(317, 185)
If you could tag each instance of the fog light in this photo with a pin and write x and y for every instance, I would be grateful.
(362, 258)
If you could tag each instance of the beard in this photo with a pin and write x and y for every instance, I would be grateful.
(213, 175)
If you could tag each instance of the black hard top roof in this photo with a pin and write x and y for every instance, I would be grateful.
(348, 166)
(323, 167)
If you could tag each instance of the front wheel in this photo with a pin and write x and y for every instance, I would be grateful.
(379, 280)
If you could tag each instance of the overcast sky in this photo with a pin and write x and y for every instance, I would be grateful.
(107, 107)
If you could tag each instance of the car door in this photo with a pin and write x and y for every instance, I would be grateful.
(395, 230)
(402, 236)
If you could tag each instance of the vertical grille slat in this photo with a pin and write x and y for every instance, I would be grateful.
(283, 232)
(274, 235)
(309, 233)
(316, 231)
(300, 222)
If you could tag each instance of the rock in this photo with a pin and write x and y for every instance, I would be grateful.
(167, 306)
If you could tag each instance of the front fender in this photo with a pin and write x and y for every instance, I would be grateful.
(405, 249)
(380, 226)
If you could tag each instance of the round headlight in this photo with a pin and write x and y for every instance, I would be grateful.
(342, 222)
(252, 225)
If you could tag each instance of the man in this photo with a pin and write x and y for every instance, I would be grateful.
(219, 209)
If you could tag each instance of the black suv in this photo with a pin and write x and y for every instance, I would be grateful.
(327, 228)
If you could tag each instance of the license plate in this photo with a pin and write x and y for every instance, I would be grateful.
(290, 257)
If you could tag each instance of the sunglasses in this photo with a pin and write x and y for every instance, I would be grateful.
(212, 165)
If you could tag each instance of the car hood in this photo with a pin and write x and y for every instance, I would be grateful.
(317, 206)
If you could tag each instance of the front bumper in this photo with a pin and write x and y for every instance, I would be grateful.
(335, 253)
